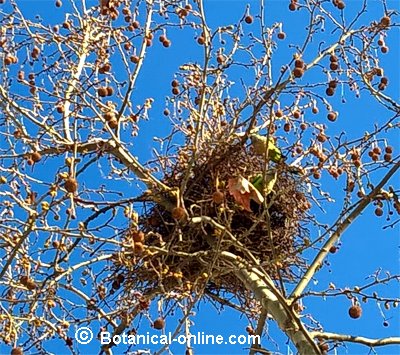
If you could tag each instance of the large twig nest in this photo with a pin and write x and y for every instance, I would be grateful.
(181, 255)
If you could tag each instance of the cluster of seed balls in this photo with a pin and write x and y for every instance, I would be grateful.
(298, 70)
(104, 91)
(175, 87)
(375, 153)
(355, 311)
(383, 23)
(249, 20)
(337, 3)
(33, 158)
(332, 85)
(334, 62)
(30, 82)
(164, 40)
(383, 83)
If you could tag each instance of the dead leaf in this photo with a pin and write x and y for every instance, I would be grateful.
(243, 191)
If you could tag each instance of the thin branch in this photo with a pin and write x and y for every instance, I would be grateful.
(317, 263)
(356, 339)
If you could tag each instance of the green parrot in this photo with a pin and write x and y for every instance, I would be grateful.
(265, 184)
(261, 144)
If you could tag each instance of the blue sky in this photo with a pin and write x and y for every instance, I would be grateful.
(365, 246)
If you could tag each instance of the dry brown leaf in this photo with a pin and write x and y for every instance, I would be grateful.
(243, 191)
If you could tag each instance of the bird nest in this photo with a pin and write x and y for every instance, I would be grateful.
(181, 250)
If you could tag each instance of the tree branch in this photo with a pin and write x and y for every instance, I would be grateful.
(287, 321)
(317, 263)
(356, 339)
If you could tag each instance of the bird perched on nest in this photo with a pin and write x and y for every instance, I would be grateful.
(265, 183)
(263, 144)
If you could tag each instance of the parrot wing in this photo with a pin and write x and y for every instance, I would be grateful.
(270, 180)
(258, 182)
(261, 144)
(265, 184)
(274, 153)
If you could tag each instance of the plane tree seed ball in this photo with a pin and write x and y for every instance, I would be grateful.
(298, 72)
(178, 213)
(138, 248)
(159, 324)
(281, 35)
(102, 91)
(16, 351)
(332, 116)
(248, 19)
(138, 237)
(36, 156)
(218, 197)
(355, 312)
(71, 185)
